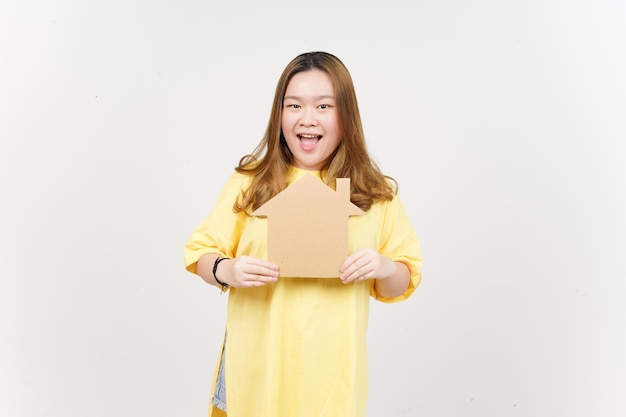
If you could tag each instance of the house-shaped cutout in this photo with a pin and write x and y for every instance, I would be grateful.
(307, 227)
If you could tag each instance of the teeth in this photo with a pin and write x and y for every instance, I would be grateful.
(309, 136)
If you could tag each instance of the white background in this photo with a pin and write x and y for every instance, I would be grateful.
(504, 123)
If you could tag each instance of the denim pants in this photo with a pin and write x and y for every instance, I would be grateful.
(219, 396)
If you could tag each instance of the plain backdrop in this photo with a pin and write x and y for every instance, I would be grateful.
(504, 123)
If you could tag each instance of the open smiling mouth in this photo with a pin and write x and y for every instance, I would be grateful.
(308, 143)
(309, 140)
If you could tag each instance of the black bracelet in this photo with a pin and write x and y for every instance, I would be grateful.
(215, 264)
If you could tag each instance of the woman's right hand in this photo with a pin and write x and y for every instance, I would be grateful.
(246, 271)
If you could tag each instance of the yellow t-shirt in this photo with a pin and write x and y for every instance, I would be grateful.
(297, 347)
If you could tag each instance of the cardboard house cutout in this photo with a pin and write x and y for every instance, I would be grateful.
(307, 227)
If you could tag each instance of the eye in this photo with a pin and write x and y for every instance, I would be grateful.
(324, 106)
(292, 106)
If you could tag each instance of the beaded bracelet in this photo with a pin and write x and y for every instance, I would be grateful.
(215, 264)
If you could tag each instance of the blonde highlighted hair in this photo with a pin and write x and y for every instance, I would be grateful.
(271, 160)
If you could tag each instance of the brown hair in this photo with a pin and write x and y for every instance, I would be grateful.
(271, 160)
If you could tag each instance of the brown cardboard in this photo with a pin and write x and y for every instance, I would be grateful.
(307, 227)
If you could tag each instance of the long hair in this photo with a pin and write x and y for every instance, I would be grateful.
(271, 160)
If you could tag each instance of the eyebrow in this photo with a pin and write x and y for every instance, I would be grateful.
(315, 98)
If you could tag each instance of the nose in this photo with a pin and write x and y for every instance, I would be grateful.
(308, 117)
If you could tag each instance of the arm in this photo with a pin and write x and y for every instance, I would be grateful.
(239, 272)
(395, 284)
(205, 269)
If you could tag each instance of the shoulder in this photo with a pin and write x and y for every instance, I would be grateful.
(394, 202)
(239, 181)
(235, 185)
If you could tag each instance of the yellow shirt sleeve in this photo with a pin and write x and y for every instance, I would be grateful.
(221, 230)
(399, 242)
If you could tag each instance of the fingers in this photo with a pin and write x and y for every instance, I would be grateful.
(366, 263)
(359, 266)
(359, 274)
(253, 272)
(261, 276)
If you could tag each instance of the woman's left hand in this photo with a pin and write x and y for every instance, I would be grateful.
(364, 264)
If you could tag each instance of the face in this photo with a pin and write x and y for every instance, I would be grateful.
(309, 119)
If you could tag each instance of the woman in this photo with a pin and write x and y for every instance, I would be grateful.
(296, 347)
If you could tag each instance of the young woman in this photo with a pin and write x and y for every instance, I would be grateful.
(296, 347)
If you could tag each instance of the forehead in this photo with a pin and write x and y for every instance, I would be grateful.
(308, 84)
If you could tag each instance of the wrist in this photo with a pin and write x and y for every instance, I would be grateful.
(224, 286)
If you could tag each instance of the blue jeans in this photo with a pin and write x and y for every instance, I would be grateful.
(219, 396)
